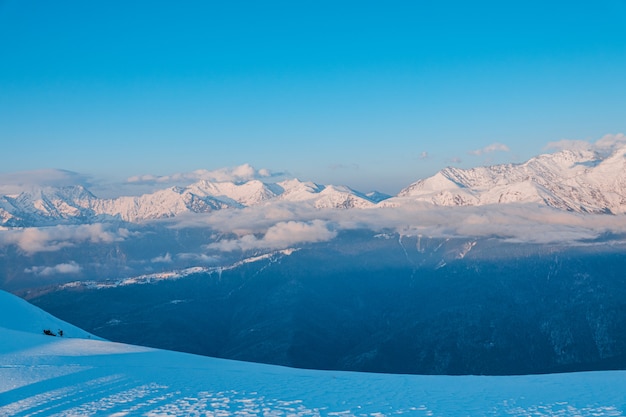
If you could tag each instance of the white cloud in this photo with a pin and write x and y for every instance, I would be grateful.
(63, 268)
(239, 173)
(249, 220)
(609, 143)
(606, 145)
(197, 257)
(279, 236)
(424, 155)
(287, 233)
(567, 144)
(522, 223)
(166, 259)
(494, 147)
(270, 227)
(50, 239)
(280, 226)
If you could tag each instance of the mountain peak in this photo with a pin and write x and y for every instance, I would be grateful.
(573, 180)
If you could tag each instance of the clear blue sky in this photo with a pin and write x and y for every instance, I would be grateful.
(367, 94)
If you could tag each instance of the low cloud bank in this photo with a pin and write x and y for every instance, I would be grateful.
(279, 236)
(50, 239)
(279, 226)
(285, 224)
(64, 268)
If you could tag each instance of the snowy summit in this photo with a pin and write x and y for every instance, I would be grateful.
(578, 181)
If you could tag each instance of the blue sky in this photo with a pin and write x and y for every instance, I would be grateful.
(373, 95)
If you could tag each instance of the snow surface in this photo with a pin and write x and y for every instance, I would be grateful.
(17, 314)
(62, 376)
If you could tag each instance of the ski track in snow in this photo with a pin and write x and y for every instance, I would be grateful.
(62, 376)
(142, 391)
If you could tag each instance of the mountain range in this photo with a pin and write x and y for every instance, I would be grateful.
(577, 181)
(74, 204)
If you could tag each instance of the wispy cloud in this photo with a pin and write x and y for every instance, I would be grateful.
(611, 142)
(239, 173)
(567, 144)
(60, 269)
(424, 155)
(494, 147)
(336, 167)
(15, 182)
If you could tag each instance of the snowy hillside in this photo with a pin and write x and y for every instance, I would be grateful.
(579, 181)
(17, 314)
(54, 376)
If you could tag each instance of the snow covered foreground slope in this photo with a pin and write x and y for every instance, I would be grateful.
(54, 376)
(17, 314)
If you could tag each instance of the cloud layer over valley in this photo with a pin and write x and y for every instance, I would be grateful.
(561, 199)
(281, 227)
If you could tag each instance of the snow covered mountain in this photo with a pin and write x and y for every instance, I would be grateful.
(330, 196)
(74, 204)
(61, 376)
(579, 181)
(43, 205)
